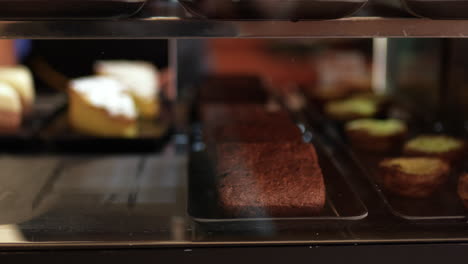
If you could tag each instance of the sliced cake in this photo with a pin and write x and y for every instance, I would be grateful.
(140, 78)
(10, 109)
(101, 106)
(20, 78)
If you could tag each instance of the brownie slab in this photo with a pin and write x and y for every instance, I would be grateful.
(219, 114)
(269, 180)
(247, 123)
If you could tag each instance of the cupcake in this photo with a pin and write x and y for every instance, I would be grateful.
(376, 135)
(351, 109)
(413, 177)
(439, 146)
(463, 188)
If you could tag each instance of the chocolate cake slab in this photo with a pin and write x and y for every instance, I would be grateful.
(270, 179)
(204, 202)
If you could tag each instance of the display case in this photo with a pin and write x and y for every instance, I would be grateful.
(170, 137)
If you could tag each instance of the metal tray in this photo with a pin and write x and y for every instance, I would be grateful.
(69, 9)
(154, 135)
(342, 203)
(442, 205)
(276, 9)
(27, 139)
(438, 9)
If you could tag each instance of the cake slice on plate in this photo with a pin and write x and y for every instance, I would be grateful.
(10, 109)
(101, 106)
(140, 78)
(20, 78)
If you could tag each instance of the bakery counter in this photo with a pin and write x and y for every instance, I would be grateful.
(141, 201)
(114, 200)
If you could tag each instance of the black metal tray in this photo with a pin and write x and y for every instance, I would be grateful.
(438, 9)
(27, 139)
(442, 205)
(154, 135)
(273, 9)
(68, 9)
(342, 203)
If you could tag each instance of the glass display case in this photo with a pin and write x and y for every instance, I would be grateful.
(172, 137)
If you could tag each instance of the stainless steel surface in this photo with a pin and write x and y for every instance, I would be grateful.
(174, 27)
(160, 19)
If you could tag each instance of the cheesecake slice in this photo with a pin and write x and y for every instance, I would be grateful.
(140, 78)
(20, 78)
(10, 109)
(101, 106)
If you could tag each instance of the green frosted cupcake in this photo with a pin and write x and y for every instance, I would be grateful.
(440, 146)
(376, 135)
(351, 109)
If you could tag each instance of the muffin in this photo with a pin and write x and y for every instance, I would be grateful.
(463, 188)
(380, 99)
(439, 146)
(376, 135)
(351, 109)
(413, 177)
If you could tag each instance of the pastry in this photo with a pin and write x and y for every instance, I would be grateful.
(350, 109)
(413, 176)
(247, 123)
(10, 109)
(327, 93)
(440, 146)
(20, 78)
(140, 78)
(463, 188)
(100, 106)
(269, 180)
(232, 89)
(376, 135)
(219, 114)
(254, 132)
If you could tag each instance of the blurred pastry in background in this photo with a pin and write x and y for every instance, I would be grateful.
(379, 99)
(10, 109)
(440, 146)
(351, 109)
(463, 188)
(20, 78)
(347, 69)
(323, 94)
(339, 74)
(140, 78)
(101, 106)
(376, 135)
(414, 177)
